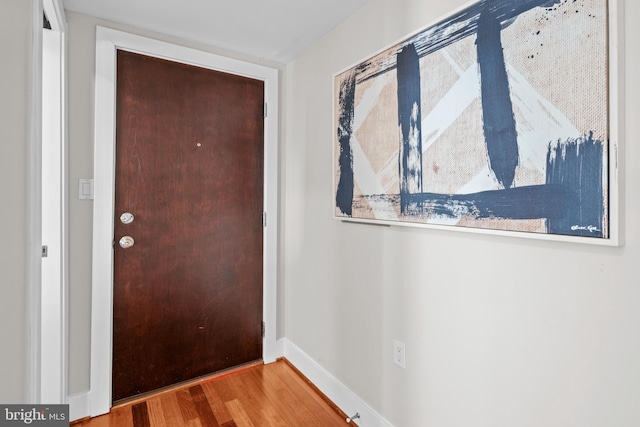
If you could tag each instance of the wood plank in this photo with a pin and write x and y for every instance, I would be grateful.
(140, 415)
(170, 409)
(217, 404)
(224, 388)
(156, 413)
(205, 413)
(287, 402)
(121, 418)
(309, 399)
(313, 398)
(272, 417)
(239, 415)
(317, 394)
(272, 396)
(252, 398)
(187, 408)
(101, 421)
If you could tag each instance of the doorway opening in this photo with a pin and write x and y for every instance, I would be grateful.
(108, 41)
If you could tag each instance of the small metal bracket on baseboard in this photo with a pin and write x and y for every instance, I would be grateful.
(353, 417)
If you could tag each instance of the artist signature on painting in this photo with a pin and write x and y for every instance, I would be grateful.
(589, 228)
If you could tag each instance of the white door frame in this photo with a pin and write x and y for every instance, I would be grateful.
(34, 209)
(54, 278)
(107, 42)
(48, 281)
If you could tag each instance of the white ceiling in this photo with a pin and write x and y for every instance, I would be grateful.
(276, 30)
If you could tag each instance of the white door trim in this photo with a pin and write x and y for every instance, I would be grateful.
(34, 208)
(48, 308)
(55, 276)
(107, 42)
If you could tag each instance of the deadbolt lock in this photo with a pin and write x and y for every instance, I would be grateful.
(127, 218)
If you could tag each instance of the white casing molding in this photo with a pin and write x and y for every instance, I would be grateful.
(33, 253)
(79, 406)
(55, 275)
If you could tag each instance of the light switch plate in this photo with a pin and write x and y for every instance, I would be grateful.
(85, 189)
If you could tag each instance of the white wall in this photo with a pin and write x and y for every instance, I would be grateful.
(499, 331)
(15, 87)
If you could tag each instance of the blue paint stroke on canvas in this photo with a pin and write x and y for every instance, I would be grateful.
(531, 202)
(409, 123)
(576, 164)
(344, 192)
(459, 26)
(498, 122)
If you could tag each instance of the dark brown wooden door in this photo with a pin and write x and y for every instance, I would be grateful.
(189, 167)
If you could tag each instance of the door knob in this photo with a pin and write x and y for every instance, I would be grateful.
(126, 218)
(126, 242)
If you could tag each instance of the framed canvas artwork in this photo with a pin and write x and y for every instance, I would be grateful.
(496, 119)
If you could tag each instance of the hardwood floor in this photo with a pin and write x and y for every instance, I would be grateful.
(259, 395)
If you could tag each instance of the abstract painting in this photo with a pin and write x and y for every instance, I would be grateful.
(494, 118)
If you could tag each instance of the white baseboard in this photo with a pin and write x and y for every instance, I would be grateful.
(337, 392)
(79, 406)
(280, 346)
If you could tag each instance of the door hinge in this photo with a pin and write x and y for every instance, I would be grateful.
(262, 328)
(264, 112)
(264, 219)
(45, 251)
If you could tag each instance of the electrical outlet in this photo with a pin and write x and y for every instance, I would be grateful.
(399, 353)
